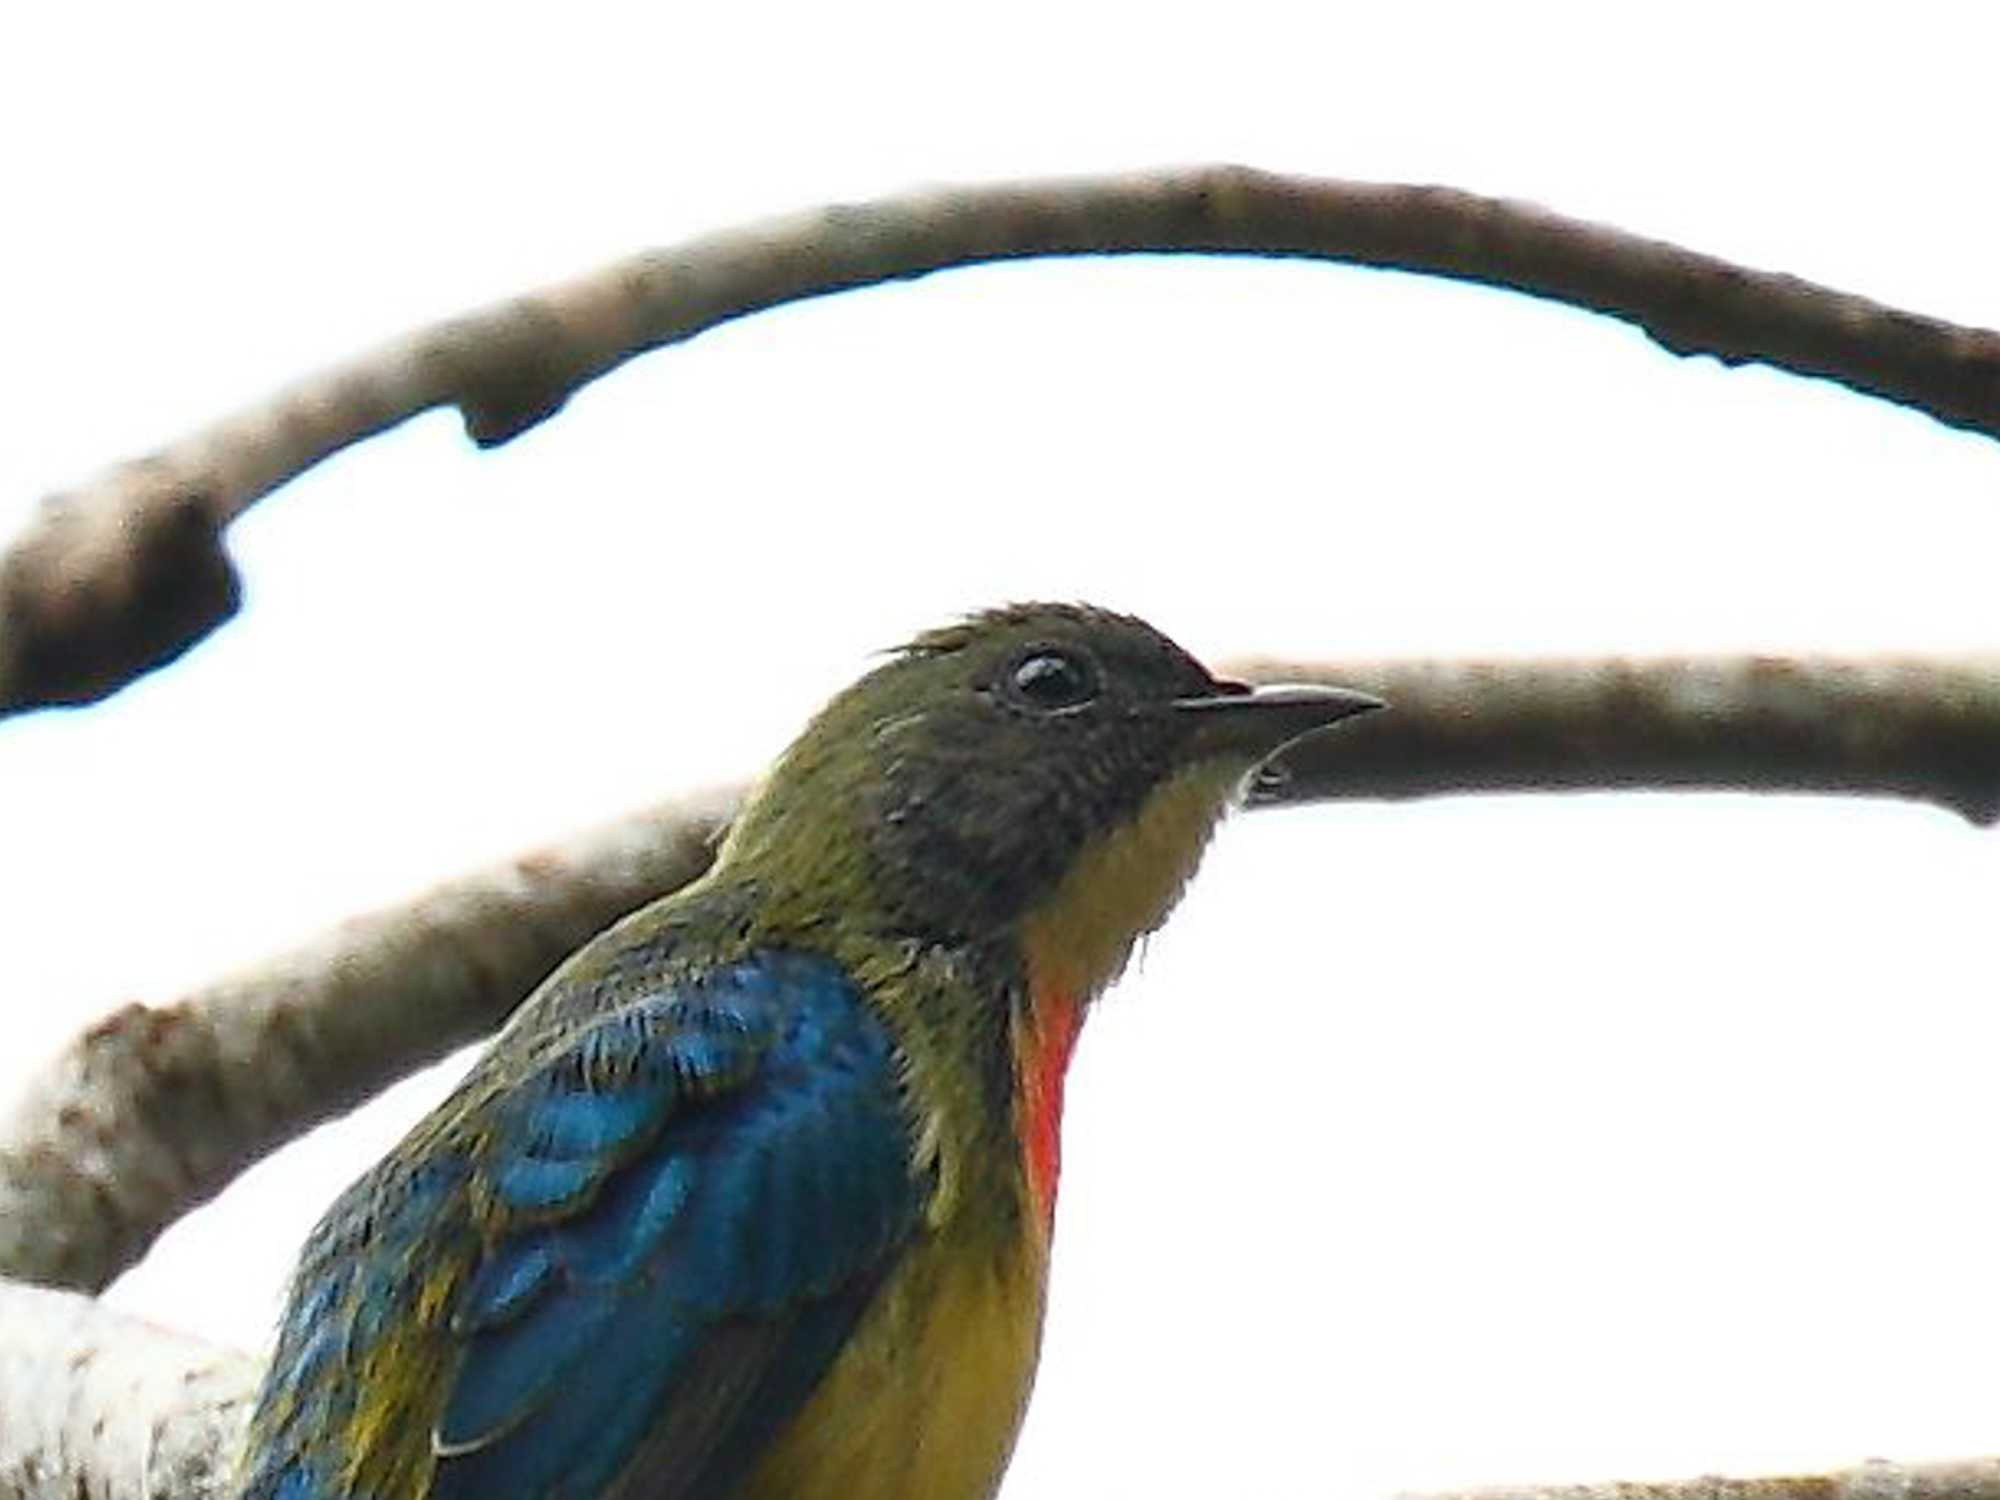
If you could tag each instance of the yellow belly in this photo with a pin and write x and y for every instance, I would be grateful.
(924, 1400)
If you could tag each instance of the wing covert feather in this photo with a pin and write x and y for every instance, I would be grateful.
(663, 1230)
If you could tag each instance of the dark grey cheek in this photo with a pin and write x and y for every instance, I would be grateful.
(971, 850)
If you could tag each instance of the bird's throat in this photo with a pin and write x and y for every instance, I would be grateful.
(1078, 940)
(1049, 1030)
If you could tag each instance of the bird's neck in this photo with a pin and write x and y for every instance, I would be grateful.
(1075, 942)
(986, 1023)
(1046, 1028)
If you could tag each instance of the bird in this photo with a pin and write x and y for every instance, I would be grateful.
(753, 1198)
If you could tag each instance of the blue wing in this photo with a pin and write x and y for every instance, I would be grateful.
(678, 1212)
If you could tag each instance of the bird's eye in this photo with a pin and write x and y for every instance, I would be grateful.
(1051, 681)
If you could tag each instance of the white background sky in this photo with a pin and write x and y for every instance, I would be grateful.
(1517, 1139)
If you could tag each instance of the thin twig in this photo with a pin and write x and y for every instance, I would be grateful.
(122, 575)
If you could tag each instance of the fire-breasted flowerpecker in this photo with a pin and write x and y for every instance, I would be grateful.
(752, 1199)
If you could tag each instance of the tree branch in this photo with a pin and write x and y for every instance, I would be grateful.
(105, 1407)
(124, 574)
(154, 1110)
(1877, 1479)
(1882, 727)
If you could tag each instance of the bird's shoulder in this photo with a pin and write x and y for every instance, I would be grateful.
(629, 1242)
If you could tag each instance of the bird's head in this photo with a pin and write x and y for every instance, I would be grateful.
(1051, 769)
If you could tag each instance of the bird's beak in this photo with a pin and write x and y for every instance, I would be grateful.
(1253, 724)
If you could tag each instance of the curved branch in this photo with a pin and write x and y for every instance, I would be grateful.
(153, 1111)
(122, 575)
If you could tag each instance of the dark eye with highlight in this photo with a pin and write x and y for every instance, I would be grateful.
(1050, 680)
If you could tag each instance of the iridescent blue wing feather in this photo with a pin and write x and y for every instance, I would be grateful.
(674, 1217)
